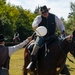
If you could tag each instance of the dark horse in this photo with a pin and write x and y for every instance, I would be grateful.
(52, 60)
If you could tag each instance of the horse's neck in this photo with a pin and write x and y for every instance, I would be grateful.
(65, 45)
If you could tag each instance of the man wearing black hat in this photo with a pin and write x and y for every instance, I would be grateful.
(6, 52)
(50, 21)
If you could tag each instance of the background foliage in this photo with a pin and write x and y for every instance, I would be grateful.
(16, 18)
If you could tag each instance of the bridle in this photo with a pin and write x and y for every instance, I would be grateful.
(71, 42)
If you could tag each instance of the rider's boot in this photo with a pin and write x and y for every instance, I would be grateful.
(32, 64)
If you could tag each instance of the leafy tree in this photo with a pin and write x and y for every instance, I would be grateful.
(15, 18)
(37, 10)
(72, 7)
(71, 19)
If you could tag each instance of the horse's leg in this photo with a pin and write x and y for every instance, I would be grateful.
(65, 71)
(35, 72)
(26, 62)
(53, 73)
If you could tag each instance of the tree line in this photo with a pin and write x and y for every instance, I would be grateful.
(15, 18)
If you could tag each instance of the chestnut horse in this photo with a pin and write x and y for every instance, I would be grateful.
(52, 60)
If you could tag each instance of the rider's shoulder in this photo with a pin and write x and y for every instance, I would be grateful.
(52, 14)
(39, 16)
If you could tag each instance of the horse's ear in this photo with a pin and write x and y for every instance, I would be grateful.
(73, 33)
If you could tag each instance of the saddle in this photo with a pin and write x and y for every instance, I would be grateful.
(48, 41)
(51, 40)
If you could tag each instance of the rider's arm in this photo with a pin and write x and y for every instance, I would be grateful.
(12, 49)
(61, 27)
(59, 24)
(36, 22)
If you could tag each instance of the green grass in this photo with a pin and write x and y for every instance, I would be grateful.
(70, 65)
(16, 63)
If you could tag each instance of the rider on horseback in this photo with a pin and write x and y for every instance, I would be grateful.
(50, 21)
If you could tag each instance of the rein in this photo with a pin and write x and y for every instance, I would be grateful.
(64, 52)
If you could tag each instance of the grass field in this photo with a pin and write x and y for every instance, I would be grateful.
(16, 63)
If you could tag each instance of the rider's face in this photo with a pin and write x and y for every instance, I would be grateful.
(44, 13)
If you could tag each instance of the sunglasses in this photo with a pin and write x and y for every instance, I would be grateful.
(44, 11)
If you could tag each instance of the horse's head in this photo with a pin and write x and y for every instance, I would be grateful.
(73, 43)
